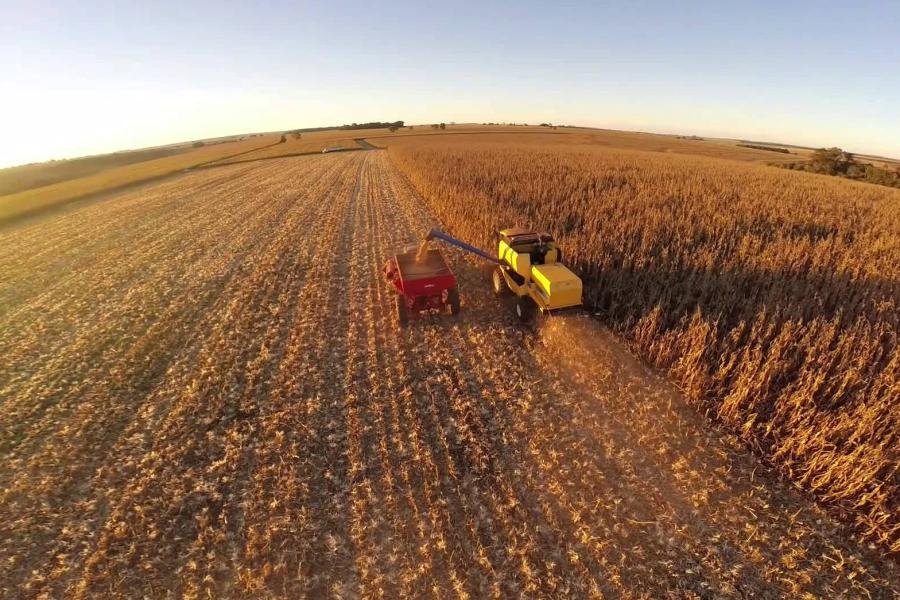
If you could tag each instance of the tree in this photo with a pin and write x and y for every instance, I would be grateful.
(831, 161)
(198, 144)
(443, 126)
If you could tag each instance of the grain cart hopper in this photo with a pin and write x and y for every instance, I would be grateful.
(423, 282)
(528, 265)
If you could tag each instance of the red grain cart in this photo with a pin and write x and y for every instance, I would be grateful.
(424, 283)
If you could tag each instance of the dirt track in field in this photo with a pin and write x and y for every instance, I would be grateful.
(204, 392)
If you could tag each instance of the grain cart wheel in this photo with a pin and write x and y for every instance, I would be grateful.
(500, 287)
(453, 300)
(402, 314)
(525, 309)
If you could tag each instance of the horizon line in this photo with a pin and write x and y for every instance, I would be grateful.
(321, 128)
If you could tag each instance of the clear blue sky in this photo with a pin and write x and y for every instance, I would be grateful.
(89, 77)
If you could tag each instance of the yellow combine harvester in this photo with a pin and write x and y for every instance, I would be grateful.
(528, 265)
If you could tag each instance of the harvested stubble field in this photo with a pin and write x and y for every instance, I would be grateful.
(35, 175)
(204, 394)
(46, 186)
(308, 143)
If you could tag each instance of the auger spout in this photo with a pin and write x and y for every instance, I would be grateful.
(438, 234)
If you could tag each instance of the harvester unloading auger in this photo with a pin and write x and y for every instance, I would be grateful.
(528, 266)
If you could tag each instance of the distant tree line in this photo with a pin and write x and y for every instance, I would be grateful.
(201, 143)
(370, 125)
(373, 125)
(840, 163)
(769, 148)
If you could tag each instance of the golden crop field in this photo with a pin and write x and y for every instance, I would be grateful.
(204, 392)
(30, 189)
(772, 298)
(566, 137)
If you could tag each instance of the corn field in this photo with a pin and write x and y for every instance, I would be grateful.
(772, 298)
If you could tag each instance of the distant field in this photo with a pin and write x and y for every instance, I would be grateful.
(30, 188)
(32, 200)
(308, 143)
(26, 177)
(714, 148)
(879, 161)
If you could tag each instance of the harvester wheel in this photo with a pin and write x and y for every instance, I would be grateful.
(402, 314)
(453, 300)
(525, 309)
(500, 287)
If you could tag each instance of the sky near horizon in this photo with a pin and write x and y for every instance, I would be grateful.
(86, 78)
